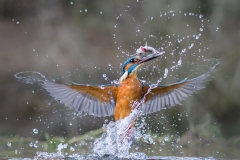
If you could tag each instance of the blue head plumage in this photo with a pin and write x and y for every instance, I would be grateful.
(131, 68)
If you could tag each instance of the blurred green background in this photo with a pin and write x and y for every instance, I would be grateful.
(82, 40)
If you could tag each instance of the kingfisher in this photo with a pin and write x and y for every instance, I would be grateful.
(119, 99)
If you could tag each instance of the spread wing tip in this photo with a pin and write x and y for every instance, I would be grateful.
(167, 96)
(82, 98)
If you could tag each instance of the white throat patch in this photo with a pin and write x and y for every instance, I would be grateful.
(124, 76)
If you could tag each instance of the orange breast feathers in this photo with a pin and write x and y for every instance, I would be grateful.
(129, 91)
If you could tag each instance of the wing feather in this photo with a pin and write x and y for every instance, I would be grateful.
(178, 95)
(174, 98)
(87, 99)
(170, 98)
(166, 96)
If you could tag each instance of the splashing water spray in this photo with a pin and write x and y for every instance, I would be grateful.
(119, 135)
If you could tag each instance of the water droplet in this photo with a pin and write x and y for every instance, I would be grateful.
(85, 10)
(102, 86)
(100, 12)
(33, 50)
(151, 18)
(166, 138)
(17, 22)
(201, 29)
(159, 80)
(191, 46)
(32, 91)
(72, 149)
(180, 61)
(200, 16)
(35, 131)
(30, 144)
(165, 73)
(71, 2)
(27, 102)
(217, 29)
(13, 20)
(104, 75)
(35, 145)
(153, 86)
(9, 144)
(80, 10)
(70, 124)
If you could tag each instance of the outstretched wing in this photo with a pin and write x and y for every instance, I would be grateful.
(166, 96)
(90, 99)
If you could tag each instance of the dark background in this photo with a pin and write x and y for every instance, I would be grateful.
(82, 40)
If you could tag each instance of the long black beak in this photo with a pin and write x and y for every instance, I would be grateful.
(149, 57)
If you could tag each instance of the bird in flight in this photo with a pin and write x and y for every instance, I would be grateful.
(119, 99)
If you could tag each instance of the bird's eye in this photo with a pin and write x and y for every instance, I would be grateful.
(132, 60)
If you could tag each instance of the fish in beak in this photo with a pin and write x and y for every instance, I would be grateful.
(148, 57)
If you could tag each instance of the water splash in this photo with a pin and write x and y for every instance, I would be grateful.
(165, 73)
(120, 135)
(30, 77)
(60, 147)
(181, 48)
(45, 155)
(118, 138)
